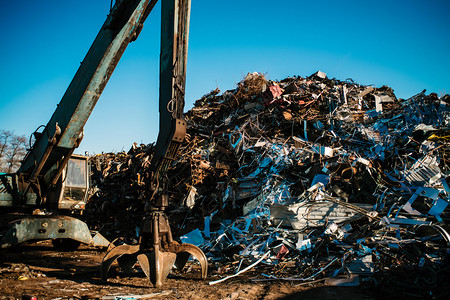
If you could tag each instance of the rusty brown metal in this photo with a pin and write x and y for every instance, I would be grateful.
(114, 254)
(157, 253)
(184, 251)
(157, 265)
(180, 131)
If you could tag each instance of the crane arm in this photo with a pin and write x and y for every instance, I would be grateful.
(174, 44)
(64, 131)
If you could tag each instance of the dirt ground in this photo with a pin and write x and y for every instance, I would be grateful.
(40, 271)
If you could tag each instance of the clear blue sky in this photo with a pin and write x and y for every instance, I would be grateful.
(402, 44)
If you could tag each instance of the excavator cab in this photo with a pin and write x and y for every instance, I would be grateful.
(75, 184)
(69, 193)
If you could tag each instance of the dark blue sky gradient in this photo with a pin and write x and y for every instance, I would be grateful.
(402, 44)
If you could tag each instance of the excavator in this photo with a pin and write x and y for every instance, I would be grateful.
(52, 178)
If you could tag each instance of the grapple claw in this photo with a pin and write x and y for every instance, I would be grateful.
(156, 252)
(129, 251)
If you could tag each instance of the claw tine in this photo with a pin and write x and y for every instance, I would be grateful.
(156, 265)
(106, 264)
(195, 251)
(144, 263)
(114, 254)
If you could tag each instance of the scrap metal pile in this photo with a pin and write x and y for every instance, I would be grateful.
(302, 179)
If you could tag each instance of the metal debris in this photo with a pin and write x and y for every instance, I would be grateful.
(302, 179)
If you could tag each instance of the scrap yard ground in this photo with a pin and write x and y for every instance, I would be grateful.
(40, 271)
